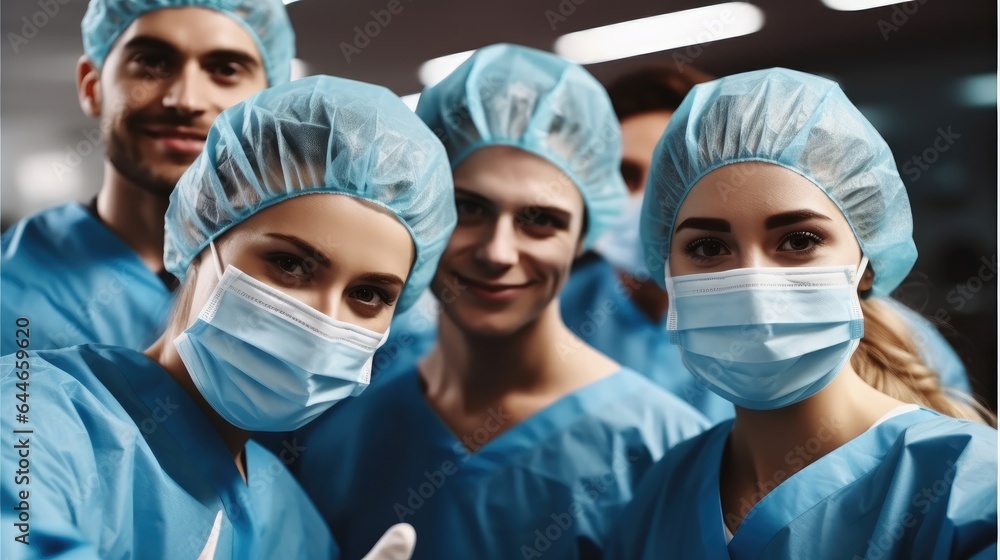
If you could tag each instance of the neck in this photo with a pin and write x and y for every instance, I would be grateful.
(135, 215)
(646, 295)
(542, 358)
(768, 446)
(163, 352)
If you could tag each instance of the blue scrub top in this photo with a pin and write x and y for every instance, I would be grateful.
(919, 485)
(124, 464)
(549, 486)
(77, 282)
(596, 307)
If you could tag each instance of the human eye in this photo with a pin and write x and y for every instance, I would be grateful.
(291, 269)
(538, 221)
(226, 71)
(706, 248)
(372, 297)
(470, 210)
(153, 63)
(800, 242)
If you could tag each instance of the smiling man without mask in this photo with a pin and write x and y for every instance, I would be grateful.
(156, 73)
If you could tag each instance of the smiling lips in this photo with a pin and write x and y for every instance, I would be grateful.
(493, 291)
(183, 140)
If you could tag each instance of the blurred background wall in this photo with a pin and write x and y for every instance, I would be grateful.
(923, 72)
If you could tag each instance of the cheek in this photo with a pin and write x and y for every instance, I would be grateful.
(227, 97)
(555, 256)
(463, 241)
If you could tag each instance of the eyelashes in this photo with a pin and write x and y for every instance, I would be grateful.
(798, 243)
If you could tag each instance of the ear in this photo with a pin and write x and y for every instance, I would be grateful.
(867, 279)
(88, 86)
(580, 248)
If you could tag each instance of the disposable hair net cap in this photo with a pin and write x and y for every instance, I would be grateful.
(316, 135)
(508, 95)
(798, 121)
(265, 20)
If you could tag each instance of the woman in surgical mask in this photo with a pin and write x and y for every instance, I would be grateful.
(775, 211)
(317, 209)
(513, 438)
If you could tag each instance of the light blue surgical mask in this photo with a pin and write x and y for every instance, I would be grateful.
(266, 362)
(620, 244)
(766, 338)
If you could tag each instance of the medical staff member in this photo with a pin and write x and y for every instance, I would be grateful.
(286, 293)
(156, 73)
(776, 217)
(613, 303)
(513, 439)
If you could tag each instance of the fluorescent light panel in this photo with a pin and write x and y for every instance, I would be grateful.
(299, 69)
(856, 5)
(978, 91)
(437, 69)
(411, 100)
(661, 33)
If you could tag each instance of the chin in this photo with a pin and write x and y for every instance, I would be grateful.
(483, 323)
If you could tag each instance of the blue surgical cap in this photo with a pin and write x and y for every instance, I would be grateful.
(316, 135)
(265, 20)
(803, 123)
(507, 95)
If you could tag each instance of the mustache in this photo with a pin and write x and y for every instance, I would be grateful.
(168, 119)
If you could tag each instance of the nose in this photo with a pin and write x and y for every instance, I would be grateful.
(187, 91)
(498, 250)
(756, 258)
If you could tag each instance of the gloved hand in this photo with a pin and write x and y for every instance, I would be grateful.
(396, 544)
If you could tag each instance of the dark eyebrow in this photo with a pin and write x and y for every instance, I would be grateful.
(560, 212)
(467, 193)
(152, 43)
(793, 217)
(320, 256)
(711, 224)
(147, 42)
(383, 278)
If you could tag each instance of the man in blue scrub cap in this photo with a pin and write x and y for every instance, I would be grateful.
(156, 73)
(513, 438)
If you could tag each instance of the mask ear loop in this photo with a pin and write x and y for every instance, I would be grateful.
(215, 258)
(668, 281)
(861, 270)
(858, 324)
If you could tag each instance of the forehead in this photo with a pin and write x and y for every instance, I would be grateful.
(755, 190)
(644, 129)
(514, 178)
(334, 224)
(191, 30)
